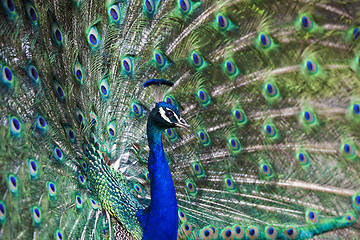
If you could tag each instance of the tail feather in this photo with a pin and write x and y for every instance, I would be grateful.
(270, 88)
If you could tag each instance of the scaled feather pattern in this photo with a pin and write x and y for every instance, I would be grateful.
(271, 90)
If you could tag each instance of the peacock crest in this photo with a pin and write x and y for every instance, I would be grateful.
(249, 130)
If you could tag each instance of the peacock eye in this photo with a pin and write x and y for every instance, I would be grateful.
(169, 114)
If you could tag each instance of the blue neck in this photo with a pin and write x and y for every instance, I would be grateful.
(162, 219)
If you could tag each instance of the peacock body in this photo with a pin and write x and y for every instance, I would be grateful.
(270, 89)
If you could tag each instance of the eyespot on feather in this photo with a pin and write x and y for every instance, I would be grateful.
(15, 126)
(13, 183)
(228, 233)
(271, 232)
(36, 215)
(7, 76)
(149, 7)
(114, 14)
(252, 233)
(57, 34)
(51, 187)
(291, 233)
(93, 38)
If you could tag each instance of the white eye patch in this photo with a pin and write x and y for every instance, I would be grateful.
(163, 115)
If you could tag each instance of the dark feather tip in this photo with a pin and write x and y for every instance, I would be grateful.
(157, 82)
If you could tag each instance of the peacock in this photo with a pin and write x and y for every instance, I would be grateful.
(179, 119)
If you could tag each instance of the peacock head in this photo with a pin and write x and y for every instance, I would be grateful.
(164, 116)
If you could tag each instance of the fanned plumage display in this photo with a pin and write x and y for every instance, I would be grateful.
(179, 119)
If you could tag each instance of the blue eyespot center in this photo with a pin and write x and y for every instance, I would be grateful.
(290, 232)
(52, 187)
(80, 117)
(252, 232)
(79, 74)
(183, 5)
(136, 109)
(78, 200)
(71, 134)
(182, 214)
(187, 227)
(233, 143)
(228, 233)
(202, 95)
(265, 168)
(347, 148)
(13, 181)
(59, 235)
(196, 167)
(221, 21)
(229, 66)
(94, 121)
(2, 209)
(37, 212)
(196, 58)
(158, 58)
(58, 153)
(271, 231)
(357, 199)
(301, 157)
(356, 109)
(309, 66)
(93, 39)
(126, 65)
(238, 230)
(8, 74)
(307, 116)
(202, 136)
(268, 129)
(305, 22)
(10, 5)
(60, 91)
(148, 6)
(16, 123)
(270, 88)
(311, 215)
(348, 217)
(81, 178)
(32, 14)
(114, 14)
(356, 33)
(263, 39)
(33, 165)
(34, 73)
(103, 90)
(228, 182)
(111, 131)
(206, 233)
(58, 35)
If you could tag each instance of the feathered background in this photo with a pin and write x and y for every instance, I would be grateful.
(271, 90)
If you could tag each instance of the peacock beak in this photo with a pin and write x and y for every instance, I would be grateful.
(183, 124)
